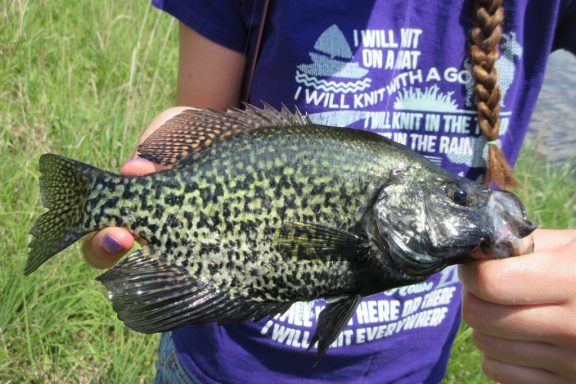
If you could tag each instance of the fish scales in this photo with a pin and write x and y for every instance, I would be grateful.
(228, 204)
(260, 209)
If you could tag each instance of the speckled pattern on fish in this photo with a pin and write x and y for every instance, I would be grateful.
(261, 209)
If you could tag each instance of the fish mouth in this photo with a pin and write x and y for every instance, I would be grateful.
(508, 229)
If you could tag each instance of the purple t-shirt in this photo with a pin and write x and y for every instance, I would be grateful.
(399, 68)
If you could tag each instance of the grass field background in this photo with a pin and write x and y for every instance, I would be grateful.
(83, 79)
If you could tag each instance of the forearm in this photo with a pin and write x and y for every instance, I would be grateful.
(209, 75)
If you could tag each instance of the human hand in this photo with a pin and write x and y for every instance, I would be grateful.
(104, 248)
(523, 311)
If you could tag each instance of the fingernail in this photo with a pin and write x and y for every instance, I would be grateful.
(110, 245)
(139, 159)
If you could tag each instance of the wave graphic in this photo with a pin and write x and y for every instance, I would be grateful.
(434, 159)
(332, 86)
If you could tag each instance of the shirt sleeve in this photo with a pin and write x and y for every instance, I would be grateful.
(221, 21)
(566, 31)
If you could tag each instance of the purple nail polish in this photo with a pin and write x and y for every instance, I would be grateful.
(110, 245)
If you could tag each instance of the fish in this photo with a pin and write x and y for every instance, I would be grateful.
(260, 208)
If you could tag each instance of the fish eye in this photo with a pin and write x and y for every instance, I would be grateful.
(459, 195)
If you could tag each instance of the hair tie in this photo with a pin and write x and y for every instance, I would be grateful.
(492, 142)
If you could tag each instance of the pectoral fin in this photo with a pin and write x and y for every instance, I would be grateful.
(306, 241)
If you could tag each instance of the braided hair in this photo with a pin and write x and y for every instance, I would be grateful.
(487, 16)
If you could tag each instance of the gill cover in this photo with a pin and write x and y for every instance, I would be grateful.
(430, 221)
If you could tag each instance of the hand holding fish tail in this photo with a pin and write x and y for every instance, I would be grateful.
(104, 248)
(522, 311)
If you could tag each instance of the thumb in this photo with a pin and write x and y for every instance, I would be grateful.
(138, 166)
(104, 248)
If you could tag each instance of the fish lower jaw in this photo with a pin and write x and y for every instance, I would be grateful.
(502, 249)
(478, 254)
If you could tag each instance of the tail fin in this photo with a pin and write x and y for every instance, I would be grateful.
(64, 185)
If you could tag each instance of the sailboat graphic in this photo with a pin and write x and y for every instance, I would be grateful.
(332, 60)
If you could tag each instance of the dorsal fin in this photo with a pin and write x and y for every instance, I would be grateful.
(196, 129)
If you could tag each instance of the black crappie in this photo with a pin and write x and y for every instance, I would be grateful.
(262, 209)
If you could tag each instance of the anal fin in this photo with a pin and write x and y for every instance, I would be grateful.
(332, 319)
(150, 295)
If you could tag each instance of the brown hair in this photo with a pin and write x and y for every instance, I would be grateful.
(487, 16)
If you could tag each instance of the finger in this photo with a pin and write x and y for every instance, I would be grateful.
(529, 354)
(139, 166)
(549, 239)
(104, 248)
(516, 374)
(534, 279)
(539, 323)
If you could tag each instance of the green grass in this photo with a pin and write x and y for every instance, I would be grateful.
(83, 79)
